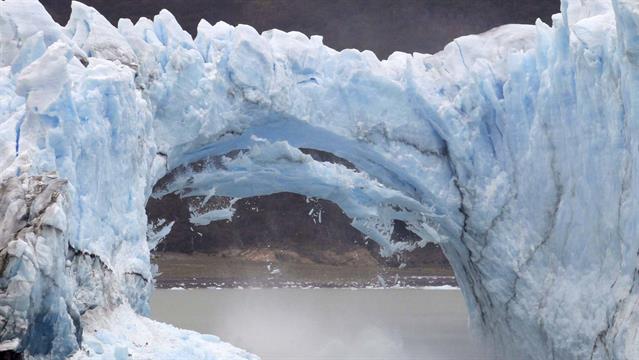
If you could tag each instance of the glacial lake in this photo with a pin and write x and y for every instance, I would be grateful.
(287, 324)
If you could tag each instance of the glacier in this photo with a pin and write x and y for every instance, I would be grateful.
(515, 150)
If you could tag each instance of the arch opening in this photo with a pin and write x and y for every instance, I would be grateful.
(410, 262)
(187, 208)
(281, 240)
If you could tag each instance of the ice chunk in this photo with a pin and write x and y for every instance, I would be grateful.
(43, 81)
(122, 334)
(97, 37)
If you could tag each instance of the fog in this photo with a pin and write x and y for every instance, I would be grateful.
(328, 323)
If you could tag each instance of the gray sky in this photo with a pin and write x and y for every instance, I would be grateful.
(379, 25)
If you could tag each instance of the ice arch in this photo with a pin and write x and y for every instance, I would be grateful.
(516, 150)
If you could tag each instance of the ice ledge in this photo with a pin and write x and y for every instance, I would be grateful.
(121, 334)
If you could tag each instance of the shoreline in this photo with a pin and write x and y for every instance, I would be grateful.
(199, 271)
(212, 283)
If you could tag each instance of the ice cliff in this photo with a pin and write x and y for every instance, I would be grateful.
(517, 150)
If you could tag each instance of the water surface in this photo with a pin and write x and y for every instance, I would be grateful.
(286, 324)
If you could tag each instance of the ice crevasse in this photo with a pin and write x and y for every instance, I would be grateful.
(516, 150)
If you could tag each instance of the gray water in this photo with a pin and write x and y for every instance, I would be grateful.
(284, 324)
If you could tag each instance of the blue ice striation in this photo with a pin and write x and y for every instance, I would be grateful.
(516, 150)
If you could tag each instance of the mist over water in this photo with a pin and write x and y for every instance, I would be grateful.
(281, 324)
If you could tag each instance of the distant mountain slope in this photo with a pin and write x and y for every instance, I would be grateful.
(313, 230)
(282, 221)
(382, 26)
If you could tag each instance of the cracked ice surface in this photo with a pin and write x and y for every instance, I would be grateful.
(515, 149)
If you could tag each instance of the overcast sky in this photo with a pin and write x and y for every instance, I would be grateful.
(379, 25)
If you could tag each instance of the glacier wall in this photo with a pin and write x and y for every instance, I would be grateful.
(516, 150)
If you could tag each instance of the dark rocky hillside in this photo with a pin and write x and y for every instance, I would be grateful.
(280, 223)
(382, 26)
(279, 227)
